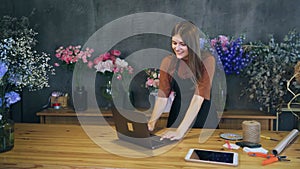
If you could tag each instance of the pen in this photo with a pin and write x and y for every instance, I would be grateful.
(268, 138)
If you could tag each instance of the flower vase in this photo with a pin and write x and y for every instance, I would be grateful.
(127, 100)
(152, 99)
(80, 99)
(6, 135)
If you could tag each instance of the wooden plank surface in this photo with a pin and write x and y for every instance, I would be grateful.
(68, 146)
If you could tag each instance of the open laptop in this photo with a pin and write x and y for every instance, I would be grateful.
(134, 129)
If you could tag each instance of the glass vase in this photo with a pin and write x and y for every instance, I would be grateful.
(6, 135)
(106, 92)
(80, 99)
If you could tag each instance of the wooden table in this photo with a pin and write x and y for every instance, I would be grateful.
(232, 119)
(68, 146)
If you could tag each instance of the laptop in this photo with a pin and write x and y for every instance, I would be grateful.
(134, 129)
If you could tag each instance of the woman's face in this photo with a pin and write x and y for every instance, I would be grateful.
(179, 47)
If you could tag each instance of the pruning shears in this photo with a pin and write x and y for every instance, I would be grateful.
(270, 158)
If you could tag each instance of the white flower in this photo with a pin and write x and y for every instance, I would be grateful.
(155, 75)
(104, 66)
(121, 63)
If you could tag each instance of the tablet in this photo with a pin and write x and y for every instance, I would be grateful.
(212, 156)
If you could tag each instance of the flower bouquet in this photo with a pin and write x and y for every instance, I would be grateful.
(152, 84)
(110, 64)
(152, 81)
(18, 70)
(72, 54)
(231, 54)
(20, 67)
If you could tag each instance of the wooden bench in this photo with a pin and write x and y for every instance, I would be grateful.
(232, 119)
(69, 116)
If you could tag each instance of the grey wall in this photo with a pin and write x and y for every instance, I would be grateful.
(65, 22)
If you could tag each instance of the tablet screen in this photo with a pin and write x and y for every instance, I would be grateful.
(212, 156)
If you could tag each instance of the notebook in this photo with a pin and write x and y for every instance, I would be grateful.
(134, 129)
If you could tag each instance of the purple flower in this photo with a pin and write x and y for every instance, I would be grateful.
(11, 98)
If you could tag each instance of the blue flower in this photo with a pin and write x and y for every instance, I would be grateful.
(231, 54)
(11, 98)
(3, 69)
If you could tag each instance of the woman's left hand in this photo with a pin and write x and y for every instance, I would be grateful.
(172, 135)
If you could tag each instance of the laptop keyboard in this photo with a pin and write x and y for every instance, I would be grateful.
(155, 140)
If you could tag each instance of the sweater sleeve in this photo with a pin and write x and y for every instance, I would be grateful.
(165, 78)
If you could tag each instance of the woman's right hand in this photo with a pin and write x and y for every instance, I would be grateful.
(151, 125)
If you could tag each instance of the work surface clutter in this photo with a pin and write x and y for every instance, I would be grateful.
(69, 146)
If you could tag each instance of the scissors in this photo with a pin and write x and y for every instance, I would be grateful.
(270, 158)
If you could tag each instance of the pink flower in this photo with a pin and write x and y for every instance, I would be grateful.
(73, 54)
(58, 55)
(115, 52)
(56, 64)
(149, 82)
(98, 59)
(152, 81)
(119, 77)
(90, 64)
(116, 70)
(213, 42)
(223, 39)
(106, 56)
(130, 70)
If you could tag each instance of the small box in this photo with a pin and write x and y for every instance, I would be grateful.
(63, 100)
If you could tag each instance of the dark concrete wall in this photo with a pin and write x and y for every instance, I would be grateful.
(66, 22)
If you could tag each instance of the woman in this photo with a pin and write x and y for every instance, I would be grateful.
(189, 73)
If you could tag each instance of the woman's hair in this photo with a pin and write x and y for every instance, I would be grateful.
(190, 35)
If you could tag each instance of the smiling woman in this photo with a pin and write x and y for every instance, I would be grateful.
(179, 47)
(188, 72)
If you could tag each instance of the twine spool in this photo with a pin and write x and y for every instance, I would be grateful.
(251, 131)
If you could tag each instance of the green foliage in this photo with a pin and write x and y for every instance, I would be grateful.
(271, 68)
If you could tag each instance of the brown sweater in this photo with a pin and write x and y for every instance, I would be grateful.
(204, 84)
